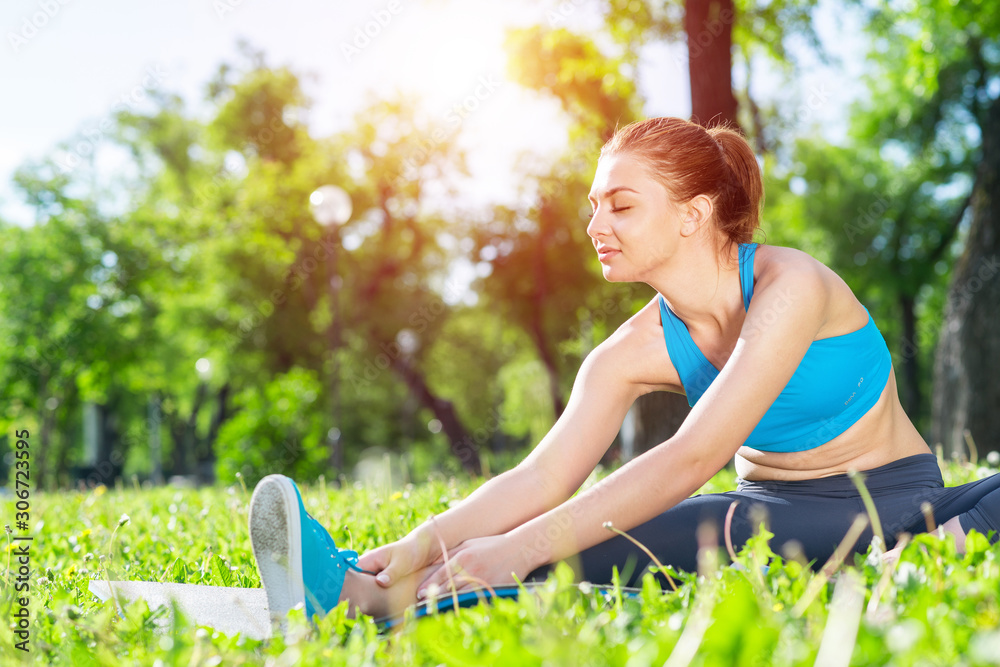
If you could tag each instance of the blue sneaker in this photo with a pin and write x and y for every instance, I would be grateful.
(299, 562)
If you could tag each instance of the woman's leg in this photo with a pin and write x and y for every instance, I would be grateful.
(369, 598)
(809, 516)
(811, 525)
(975, 505)
(958, 509)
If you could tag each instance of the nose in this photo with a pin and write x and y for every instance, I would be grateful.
(597, 226)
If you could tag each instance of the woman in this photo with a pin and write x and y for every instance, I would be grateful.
(783, 367)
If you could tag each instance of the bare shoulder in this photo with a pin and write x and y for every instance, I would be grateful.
(636, 353)
(789, 269)
(771, 262)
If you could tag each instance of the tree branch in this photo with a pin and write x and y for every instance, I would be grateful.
(949, 234)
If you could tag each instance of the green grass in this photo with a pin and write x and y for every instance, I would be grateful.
(935, 608)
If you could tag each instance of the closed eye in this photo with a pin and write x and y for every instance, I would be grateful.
(614, 210)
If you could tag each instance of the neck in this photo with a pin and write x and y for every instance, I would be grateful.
(701, 284)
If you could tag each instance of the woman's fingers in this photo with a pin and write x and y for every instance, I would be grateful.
(433, 583)
(441, 581)
(389, 562)
(374, 560)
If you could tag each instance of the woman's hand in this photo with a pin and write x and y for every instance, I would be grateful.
(495, 560)
(394, 561)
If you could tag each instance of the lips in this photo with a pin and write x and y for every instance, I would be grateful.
(604, 253)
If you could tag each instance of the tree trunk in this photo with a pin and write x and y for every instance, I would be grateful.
(42, 455)
(657, 417)
(547, 221)
(219, 417)
(113, 453)
(966, 391)
(709, 28)
(551, 370)
(184, 435)
(178, 455)
(462, 444)
(191, 428)
(205, 458)
(912, 399)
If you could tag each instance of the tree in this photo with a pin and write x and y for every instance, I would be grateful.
(967, 394)
(710, 29)
(215, 254)
(938, 61)
(543, 273)
(69, 318)
(887, 229)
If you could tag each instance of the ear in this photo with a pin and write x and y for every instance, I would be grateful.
(697, 212)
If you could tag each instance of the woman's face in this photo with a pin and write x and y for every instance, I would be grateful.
(635, 225)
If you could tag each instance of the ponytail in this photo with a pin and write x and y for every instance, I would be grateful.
(740, 201)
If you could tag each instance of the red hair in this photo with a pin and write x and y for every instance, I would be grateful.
(691, 160)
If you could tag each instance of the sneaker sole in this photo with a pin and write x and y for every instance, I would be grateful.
(276, 538)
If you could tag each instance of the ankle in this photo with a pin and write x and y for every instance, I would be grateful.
(357, 590)
(954, 526)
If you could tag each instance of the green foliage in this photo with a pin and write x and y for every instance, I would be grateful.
(527, 406)
(215, 255)
(207, 247)
(936, 607)
(590, 85)
(259, 115)
(937, 63)
(886, 208)
(277, 427)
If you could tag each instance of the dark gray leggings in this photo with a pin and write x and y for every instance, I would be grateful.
(814, 513)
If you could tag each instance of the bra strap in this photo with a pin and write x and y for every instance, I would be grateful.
(747, 253)
(678, 340)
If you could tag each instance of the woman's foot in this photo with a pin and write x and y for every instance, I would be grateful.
(367, 597)
(952, 525)
(298, 561)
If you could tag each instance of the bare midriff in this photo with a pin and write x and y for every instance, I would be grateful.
(883, 435)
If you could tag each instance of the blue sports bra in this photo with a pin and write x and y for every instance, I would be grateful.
(838, 380)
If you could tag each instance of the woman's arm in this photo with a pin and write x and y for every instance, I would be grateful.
(787, 311)
(555, 469)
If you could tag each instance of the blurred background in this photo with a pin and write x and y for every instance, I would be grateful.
(349, 239)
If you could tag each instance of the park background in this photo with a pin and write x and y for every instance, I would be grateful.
(172, 308)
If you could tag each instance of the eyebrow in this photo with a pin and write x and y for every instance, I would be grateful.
(617, 188)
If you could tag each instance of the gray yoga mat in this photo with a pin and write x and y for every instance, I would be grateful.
(244, 610)
(229, 610)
